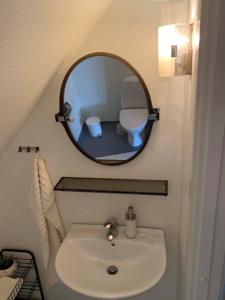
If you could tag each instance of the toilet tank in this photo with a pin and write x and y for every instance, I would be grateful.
(132, 93)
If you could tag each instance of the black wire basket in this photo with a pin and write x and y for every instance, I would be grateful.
(28, 285)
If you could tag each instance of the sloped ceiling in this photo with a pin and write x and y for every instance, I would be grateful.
(35, 36)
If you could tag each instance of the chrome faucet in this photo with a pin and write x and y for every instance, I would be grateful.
(112, 229)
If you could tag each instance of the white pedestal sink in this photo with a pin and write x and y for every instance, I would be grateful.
(93, 266)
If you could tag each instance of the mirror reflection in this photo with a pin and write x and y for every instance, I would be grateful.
(107, 109)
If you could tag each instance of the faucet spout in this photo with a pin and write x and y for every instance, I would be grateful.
(112, 229)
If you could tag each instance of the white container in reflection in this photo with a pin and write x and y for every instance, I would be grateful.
(94, 126)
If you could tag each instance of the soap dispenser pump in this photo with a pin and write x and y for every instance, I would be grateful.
(131, 225)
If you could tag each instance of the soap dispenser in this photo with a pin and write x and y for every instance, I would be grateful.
(131, 224)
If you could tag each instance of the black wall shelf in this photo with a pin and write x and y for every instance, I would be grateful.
(120, 186)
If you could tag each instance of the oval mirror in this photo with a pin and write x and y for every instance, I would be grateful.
(106, 109)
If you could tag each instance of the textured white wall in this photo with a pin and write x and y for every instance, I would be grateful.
(35, 36)
(129, 29)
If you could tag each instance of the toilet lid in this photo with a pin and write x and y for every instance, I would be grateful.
(133, 118)
(92, 121)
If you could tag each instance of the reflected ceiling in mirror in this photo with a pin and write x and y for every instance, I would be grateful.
(106, 109)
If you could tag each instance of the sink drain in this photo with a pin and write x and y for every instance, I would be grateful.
(112, 270)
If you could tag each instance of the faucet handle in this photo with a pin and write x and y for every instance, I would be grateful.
(107, 225)
(111, 223)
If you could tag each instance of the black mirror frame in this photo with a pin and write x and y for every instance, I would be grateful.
(66, 126)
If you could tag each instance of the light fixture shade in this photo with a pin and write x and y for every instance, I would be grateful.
(174, 50)
(166, 63)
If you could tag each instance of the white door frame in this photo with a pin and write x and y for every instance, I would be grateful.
(208, 150)
(217, 270)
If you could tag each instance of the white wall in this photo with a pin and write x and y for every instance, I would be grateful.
(129, 29)
(187, 156)
(35, 37)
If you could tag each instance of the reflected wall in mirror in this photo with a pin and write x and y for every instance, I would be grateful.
(106, 108)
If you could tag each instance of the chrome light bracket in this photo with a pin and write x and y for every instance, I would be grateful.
(154, 116)
(65, 115)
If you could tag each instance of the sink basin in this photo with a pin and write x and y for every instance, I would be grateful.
(89, 264)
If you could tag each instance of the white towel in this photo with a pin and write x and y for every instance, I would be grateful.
(7, 285)
(47, 216)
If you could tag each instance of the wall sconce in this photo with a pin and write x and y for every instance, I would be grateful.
(175, 50)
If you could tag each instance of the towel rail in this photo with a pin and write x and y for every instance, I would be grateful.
(28, 149)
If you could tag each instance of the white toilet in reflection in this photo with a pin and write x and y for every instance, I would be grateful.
(134, 110)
